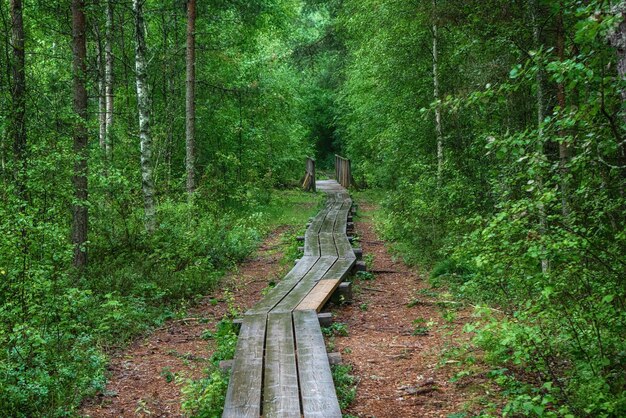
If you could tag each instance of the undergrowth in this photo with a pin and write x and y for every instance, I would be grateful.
(54, 338)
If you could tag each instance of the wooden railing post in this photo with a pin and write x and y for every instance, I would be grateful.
(308, 182)
(343, 172)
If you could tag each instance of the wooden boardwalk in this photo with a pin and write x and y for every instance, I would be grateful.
(281, 366)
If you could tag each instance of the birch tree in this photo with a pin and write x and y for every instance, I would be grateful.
(108, 78)
(438, 128)
(143, 108)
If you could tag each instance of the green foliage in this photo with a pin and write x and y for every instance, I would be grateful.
(225, 338)
(336, 329)
(204, 398)
(345, 384)
(527, 217)
(420, 326)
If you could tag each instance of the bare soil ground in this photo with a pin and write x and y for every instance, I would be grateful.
(401, 374)
(140, 382)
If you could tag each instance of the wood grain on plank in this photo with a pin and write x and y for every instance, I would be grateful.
(327, 244)
(281, 397)
(285, 286)
(319, 399)
(340, 269)
(343, 246)
(305, 285)
(319, 295)
(243, 397)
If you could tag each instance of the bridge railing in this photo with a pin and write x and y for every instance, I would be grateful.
(308, 183)
(343, 172)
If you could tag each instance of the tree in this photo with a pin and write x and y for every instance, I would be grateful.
(143, 108)
(79, 68)
(190, 96)
(436, 95)
(108, 78)
(18, 114)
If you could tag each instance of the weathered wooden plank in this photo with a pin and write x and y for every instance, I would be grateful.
(281, 397)
(317, 389)
(305, 285)
(343, 246)
(279, 292)
(319, 295)
(327, 244)
(243, 397)
(340, 269)
(311, 243)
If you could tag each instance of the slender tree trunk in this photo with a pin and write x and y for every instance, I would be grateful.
(102, 120)
(540, 80)
(190, 102)
(108, 78)
(18, 94)
(438, 128)
(143, 107)
(79, 67)
(564, 146)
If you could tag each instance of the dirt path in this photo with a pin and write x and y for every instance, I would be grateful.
(141, 377)
(401, 374)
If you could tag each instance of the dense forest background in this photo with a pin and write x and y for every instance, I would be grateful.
(142, 144)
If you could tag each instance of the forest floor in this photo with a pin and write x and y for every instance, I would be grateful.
(399, 374)
(141, 381)
(402, 339)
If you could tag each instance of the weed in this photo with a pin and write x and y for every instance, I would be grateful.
(365, 275)
(363, 307)
(421, 327)
(369, 261)
(345, 384)
(166, 373)
(336, 328)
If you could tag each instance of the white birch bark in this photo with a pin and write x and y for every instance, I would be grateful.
(438, 127)
(143, 107)
(108, 79)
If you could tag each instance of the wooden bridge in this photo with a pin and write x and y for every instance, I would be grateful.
(281, 367)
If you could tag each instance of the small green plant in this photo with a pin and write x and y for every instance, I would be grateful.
(364, 306)
(268, 288)
(449, 315)
(225, 336)
(345, 384)
(336, 329)
(420, 326)
(204, 397)
(369, 261)
(166, 373)
(365, 275)
(414, 302)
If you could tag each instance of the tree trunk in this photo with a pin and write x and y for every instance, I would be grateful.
(79, 67)
(102, 120)
(18, 94)
(540, 77)
(438, 128)
(143, 107)
(108, 78)
(564, 146)
(190, 103)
